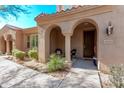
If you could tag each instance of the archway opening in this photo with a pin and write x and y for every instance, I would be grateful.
(57, 41)
(9, 44)
(84, 40)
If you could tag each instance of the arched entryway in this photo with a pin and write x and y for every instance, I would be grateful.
(9, 43)
(84, 39)
(57, 40)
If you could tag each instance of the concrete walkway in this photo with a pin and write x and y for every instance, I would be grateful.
(83, 75)
(15, 75)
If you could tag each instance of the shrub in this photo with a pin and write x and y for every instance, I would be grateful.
(56, 63)
(117, 75)
(1, 53)
(14, 51)
(18, 54)
(33, 53)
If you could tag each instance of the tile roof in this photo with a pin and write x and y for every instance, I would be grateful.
(63, 11)
(12, 27)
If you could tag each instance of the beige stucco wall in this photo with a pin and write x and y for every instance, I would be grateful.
(21, 35)
(111, 47)
(77, 42)
(19, 40)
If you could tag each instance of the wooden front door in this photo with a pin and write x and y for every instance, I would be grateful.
(88, 51)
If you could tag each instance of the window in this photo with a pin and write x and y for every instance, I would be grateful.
(28, 41)
(32, 41)
(36, 40)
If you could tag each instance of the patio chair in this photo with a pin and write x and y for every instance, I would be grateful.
(58, 51)
(73, 53)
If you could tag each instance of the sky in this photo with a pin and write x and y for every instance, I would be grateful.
(27, 20)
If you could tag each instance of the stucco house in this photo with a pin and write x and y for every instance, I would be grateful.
(91, 30)
(13, 37)
(94, 31)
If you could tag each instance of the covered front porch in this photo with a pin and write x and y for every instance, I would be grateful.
(7, 43)
(77, 40)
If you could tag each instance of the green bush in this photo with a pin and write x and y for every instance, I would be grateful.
(14, 51)
(56, 63)
(1, 53)
(33, 53)
(18, 54)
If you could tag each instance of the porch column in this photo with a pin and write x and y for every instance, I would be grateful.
(41, 45)
(7, 47)
(68, 47)
(13, 44)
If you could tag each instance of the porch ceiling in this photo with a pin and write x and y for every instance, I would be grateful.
(86, 26)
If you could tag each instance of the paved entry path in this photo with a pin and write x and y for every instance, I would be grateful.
(14, 75)
(83, 75)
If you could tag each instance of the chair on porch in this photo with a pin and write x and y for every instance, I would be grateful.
(73, 53)
(58, 51)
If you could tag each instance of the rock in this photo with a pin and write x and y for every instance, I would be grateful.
(30, 64)
(36, 66)
(68, 64)
(43, 69)
(21, 62)
(106, 83)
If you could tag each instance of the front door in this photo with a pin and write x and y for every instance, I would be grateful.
(88, 51)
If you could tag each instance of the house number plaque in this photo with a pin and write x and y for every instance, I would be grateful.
(108, 41)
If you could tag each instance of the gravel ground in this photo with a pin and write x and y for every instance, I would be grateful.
(105, 80)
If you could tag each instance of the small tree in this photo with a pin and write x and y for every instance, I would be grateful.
(13, 10)
(117, 75)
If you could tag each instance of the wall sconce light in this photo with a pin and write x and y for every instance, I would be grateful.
(109, 29)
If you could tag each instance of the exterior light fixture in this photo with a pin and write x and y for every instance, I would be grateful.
(109, 29)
